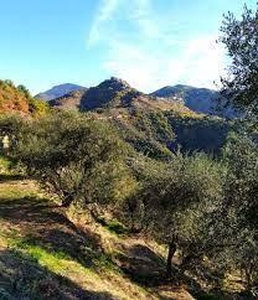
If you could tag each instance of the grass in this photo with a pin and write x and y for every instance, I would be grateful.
(113, 226)
(44, 255)
(5, 164)
(25, 216)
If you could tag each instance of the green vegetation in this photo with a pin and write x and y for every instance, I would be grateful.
(240, 38)
(148, 132)
(81, 160)
(206, 134)
(18, 100)
(134, 217)
(202, 208)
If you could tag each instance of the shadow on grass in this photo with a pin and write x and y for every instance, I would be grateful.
(43, 224)
(219, 295)
(21, 277)
(146, 268)
(143, 266)
(11, 177)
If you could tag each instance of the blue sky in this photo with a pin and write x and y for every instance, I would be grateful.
(149, 43)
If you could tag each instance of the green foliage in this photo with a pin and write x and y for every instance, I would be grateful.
(148, 132)
(241, 189)
(113, 225)
(80, 159)
(24, 90)
(206, 134)
(240, 36)
(241, 151)
(10, 124)
(181, 186)
(38, 108)
(179, 204)
(7, 82)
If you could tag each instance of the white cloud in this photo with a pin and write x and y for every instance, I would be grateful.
(132, 64)
(153, 56)
(104, 14)
(202, 62)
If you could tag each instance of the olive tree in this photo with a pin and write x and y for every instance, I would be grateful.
(77, 157)
(241, 190)
(240, 36)
(180, 200)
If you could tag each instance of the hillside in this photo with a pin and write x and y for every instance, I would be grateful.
(72, 100)
(151, 124)
(48, 253)
(154, 125)
(58, 91)
(12, 99)
(200, 100)
(102, 227)
(139, 118)
(18, 100)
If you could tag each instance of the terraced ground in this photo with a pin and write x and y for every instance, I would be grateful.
(47, 253)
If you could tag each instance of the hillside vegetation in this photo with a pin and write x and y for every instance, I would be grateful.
(104, 202)
(50, 253)
(18, 100)
(146, 222)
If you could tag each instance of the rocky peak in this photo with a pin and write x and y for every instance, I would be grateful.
(112, 92)
(115, 84)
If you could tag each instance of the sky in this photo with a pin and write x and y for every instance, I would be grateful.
(148, 43)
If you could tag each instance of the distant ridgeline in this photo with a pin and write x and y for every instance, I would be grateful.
(153, 124)
(200, 100)
(59, 91)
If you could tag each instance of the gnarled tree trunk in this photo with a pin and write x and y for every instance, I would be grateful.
(171, 252)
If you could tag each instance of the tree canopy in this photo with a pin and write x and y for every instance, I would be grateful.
(240, 36)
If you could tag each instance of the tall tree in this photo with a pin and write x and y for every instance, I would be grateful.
(240, 36)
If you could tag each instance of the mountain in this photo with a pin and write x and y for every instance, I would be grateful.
(71, 100)
(200, 100)
(115, 94)
(138, 117)
(155, 123)
(150, 124)
(112, 92)
(58, 91)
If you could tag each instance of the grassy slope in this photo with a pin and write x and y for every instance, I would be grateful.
(44, 255)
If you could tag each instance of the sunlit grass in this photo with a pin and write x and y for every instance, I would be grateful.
(5, 164)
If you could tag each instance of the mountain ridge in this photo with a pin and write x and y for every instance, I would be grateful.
(200, 100)
(59, 91)
(117, 92)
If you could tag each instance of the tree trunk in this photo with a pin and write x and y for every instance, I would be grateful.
(248, 275)
(171, 253)
(66, 202)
